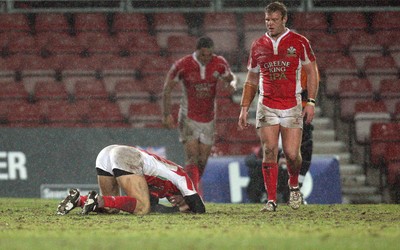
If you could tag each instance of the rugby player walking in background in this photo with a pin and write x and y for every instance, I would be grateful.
(199, 74)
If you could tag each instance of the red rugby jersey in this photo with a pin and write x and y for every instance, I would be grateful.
(279, 64)
(199, 84)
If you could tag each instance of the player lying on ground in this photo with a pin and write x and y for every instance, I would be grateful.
(144, 178)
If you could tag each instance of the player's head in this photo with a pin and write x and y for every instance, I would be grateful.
(204, 49)
(275, 18)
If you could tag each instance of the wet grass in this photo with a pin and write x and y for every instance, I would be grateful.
(33, 224)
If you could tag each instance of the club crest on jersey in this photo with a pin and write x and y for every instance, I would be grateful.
(291, 51)
(216, 74)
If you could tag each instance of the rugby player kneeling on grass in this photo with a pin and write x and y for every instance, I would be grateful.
(144, 178)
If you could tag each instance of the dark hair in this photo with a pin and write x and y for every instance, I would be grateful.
(205, 42)
(276, 7)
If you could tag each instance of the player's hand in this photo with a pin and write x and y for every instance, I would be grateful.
(168, 122)
(243, 118)
(309, 113)
(178, 201)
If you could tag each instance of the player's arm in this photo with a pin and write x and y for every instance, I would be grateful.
(230, 81)
(311, 70)
(250, 88)
(169, 85)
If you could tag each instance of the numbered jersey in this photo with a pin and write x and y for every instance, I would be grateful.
(279, 65)
(199, 84)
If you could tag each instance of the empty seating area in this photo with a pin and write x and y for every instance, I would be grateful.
(56, 68)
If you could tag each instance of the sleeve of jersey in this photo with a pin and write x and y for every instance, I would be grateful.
(309, 55)
(251, 63)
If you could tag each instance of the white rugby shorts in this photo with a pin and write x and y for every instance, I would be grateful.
(288, 118)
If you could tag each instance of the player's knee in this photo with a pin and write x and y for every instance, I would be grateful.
(293, 157)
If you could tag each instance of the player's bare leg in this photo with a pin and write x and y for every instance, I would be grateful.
(269, 136)
(108, 187)
(291, 142)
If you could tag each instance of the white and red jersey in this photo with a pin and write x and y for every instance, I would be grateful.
(199, 84)
(164, 178)
(279, 64)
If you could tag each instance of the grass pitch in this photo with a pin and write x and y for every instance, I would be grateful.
(33, 224)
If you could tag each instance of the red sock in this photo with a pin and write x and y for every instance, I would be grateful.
(124, 203)
(270, 174)
(293, 176)
(194, 174)
(82, 200)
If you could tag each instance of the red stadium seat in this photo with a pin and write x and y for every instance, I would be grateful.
(131, 89)
(137, 43)
(145, 114)
(367, 113)
(254, 21)
(155, 64)
(183, 44)
(97, 42)
(393, 173)
(124, 22)
(13, 90)
(336, 63)
(222, 28)
(50, 90)
(103, 111)
(349, 21)
(396, 113)
(392, 162)
(364, 45)
(316, 21)
(76, 65)
(389, 92)
(154, 84)
(388, 20)
(389, 88)
(324, 42)
(90, 89)
(15, 22)
(23, 44)
(62, 113)
(169, 24)
(381, 135)
(85, 22)
(62, 43)
(23, 113)
(51, 22)
(351, 91)
(392, 153)
(379, 67)
(219, 21)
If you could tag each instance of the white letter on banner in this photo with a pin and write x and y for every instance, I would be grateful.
(3, 165)
(16, 162)
(236, 182)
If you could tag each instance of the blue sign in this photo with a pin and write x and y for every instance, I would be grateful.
(226, 178)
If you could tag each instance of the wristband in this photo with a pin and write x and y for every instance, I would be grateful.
(311, 101)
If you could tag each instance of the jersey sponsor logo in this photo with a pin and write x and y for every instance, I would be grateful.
(203, 90)
(277, 69)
